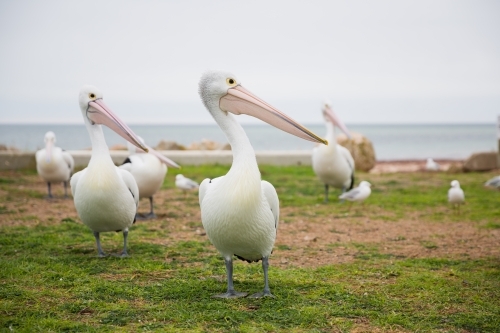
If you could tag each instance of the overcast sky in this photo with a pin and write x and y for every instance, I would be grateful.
(377, 61)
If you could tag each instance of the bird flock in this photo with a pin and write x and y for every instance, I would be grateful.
(239, 210)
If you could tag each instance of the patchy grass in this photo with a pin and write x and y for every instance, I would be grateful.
(52, 281)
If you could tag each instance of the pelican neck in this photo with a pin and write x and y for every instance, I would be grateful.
(99, 146)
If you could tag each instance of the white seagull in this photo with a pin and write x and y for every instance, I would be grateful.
(149, 170)
(360, 193)
(493, 182)
(456, 195)
(431, 165)
(53, 164)
(333, 164)
(239, 211)
(105, 196)
(185, 184)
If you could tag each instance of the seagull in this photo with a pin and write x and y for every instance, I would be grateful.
(359, 193)
(54, 164)
(456, 195)
(239, 211)
(431, 165)
(493, 182)
(333, 164)
(149, 171)
(105, 196)
(185, 184)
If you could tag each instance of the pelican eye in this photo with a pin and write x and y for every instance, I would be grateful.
(92, 95)
(231, 82)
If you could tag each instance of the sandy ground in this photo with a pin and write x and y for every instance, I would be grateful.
(304, 239)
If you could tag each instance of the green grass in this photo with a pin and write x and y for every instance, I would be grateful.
(51, 280)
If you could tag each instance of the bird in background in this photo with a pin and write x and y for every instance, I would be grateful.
(456, 196)
(185, 184)
(333, 163)
(53, 164)
(358, 194)
(239, 211)
(105, 196)
(431, 165)
(149, 171)
(493, 182)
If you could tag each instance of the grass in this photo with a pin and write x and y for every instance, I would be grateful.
(51, 280)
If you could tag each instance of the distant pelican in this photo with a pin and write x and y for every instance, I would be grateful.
(239, 211)
(431, 165)
(185, 184)
(53, 164)
(456, 195)
(149, 171)
(493, 182)
(105, 196)
(333, 164)
(360, 193)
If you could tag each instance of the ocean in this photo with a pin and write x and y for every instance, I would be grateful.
(391, 142)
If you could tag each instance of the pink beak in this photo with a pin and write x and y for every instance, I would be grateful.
(100, 113)
(328, 111)
(162, 158)
(239, 100)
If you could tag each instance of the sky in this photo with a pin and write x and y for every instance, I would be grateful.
(389, 61)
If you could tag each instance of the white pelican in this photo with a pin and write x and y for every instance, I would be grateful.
(105, 196)
(493, 182)
(360, 193)
(149, 171)
(456, 195)
(53, 164)
(185, 184)
(333, 164)
(239, 211)
(431, 165)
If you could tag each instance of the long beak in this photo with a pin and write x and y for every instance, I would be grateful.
(100, 113)
(48, 151)
(336, 120)
(239, 100)
(163, 158)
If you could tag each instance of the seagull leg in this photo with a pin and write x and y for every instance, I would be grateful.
(124, 252)
(100, 252)
(326, 194)
(266, 292)
(231, 293)
(49, 190)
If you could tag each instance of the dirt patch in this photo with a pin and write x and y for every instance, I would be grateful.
(304, 238)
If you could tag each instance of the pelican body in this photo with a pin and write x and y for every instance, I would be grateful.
(456, 196)
(333, 164)
(53, 164)
(105, 196)
(239, 211)
(149, 171)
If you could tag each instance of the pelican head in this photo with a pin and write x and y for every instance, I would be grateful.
(221, 91)
(455, 184)
(50, 140)
(365, 183)
(96, 112)
(332, 117)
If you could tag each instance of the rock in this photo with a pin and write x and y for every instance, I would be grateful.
(208, 145)
(117, 147)
(169, 145)
(361, 149)
(484, 161)
(456, 167)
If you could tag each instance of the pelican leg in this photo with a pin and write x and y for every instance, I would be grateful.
(326, 193)
(151, 214)
(100, 252)
(231, 293)
(266, 292)
(125, 236)
(65, 189)
(343, 191)
(49, 196)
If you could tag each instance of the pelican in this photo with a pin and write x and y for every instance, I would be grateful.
(333, 164)
(105, 196)
(360, 193)
(149, 171)
(431, 165)
(239, 211)
(53, 164)
(456, 195)
(185, 184)
(493, 182)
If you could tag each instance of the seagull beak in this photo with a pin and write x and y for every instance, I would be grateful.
(100, 113)
(336, 120)
(163, 158)
(239, 100)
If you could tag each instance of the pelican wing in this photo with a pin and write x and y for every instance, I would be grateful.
(69, 161)
(344, 152)
(130, 183)
(272, 198)
(74, 180)
(205, 186)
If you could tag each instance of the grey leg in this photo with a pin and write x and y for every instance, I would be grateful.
(49, 190)
(65, 189)
(266, 292)
(100, 252)
(343, 191)
(326, 193)
(231, 293)
(124, 252)
(150, 215)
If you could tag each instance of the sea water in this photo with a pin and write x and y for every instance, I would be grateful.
(391, 142)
